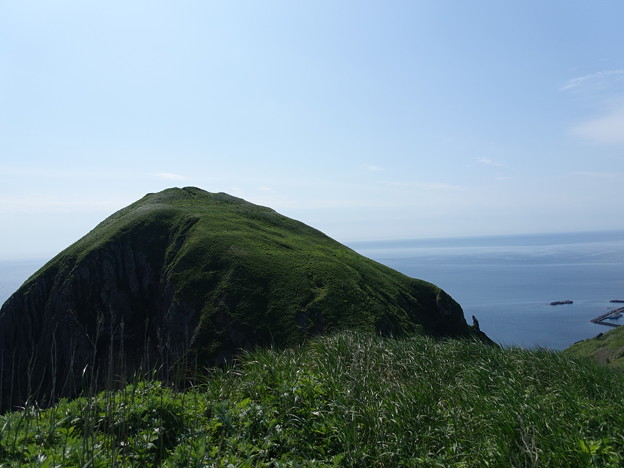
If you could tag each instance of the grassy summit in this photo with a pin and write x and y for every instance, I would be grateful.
(272, 276)
(190, 276)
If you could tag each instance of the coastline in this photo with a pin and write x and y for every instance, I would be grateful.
(508, 282)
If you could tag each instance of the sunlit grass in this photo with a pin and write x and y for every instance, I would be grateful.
(346, 400)
(606, 348)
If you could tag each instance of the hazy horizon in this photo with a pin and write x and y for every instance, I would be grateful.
(487, 240)
(366, 120)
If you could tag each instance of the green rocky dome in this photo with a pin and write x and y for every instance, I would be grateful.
(184, 279)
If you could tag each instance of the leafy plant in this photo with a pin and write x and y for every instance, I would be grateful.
(344, 400)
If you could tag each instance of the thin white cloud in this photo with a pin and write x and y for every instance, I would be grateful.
(372, 168)
(607, 129)
(593, 77)
(29, 171)
(488, 162)
(437, 186)
(598, 174)
(52, 204)
(169, 176)
(396, 183)
(237, 191)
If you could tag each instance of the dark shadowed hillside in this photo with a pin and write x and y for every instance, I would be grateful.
(185, 278)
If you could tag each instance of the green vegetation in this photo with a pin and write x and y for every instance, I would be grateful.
(268, 272)
(184, 279)
(344, 400)
(606, 348)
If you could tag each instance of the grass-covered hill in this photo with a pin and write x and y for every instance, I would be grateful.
(344, 400)
(184, 279)
(605, 348)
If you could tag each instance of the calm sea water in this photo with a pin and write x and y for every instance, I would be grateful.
(13, 273)
(507, 282)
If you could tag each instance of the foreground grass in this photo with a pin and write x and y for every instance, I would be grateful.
(346, 400)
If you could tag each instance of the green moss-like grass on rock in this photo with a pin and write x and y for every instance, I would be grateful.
(186, 278)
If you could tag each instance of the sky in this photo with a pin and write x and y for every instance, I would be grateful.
(368, 120)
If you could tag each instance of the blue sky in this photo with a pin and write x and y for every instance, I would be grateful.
(368, 120)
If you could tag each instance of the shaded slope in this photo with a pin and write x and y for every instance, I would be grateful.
(186, 275)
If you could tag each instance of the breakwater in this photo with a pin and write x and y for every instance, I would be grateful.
(600, 320)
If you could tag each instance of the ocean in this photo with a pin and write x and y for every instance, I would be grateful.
(507, 282)
(14, 272)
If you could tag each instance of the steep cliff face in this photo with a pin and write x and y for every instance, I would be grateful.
(185, 278)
